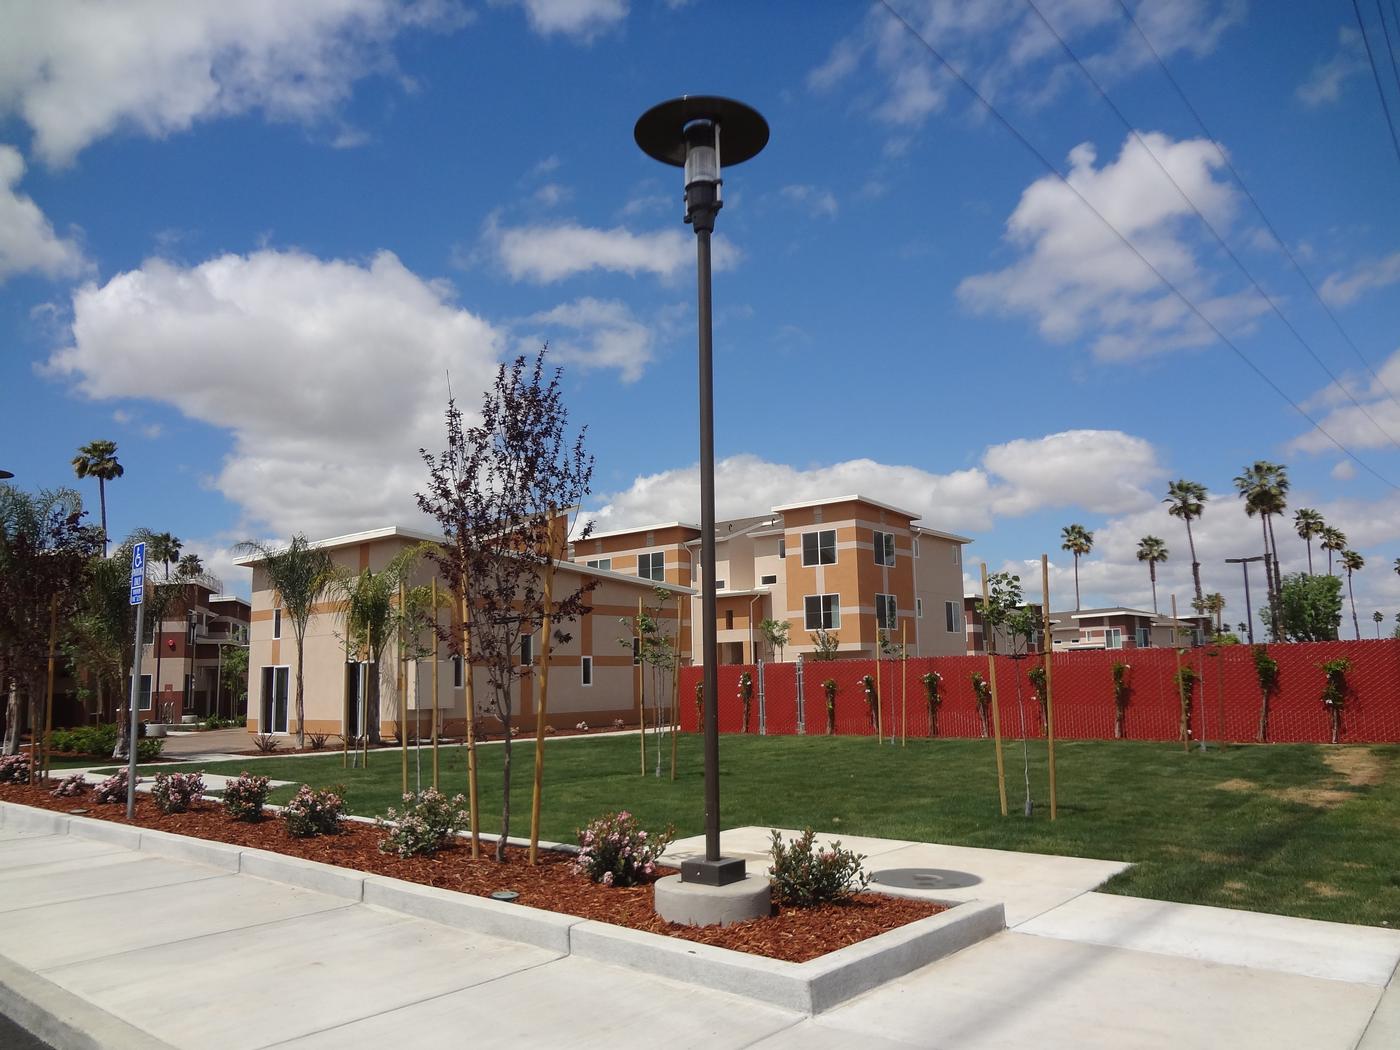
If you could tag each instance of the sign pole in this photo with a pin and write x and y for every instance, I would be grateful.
(1049, 685)
(138, 599)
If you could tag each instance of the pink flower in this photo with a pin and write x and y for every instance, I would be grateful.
(607, 878)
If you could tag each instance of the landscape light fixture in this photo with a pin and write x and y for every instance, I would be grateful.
(5, 475)
(700, 133)
(1243, 563)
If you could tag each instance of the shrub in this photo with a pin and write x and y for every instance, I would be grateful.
(746, 695)
(1186, 679)
(617, 851)
(548, 730)
(14, 769)
(245, 795)
(700, 705)
(872, 701)
(113, 789)
(86, 740)
(829, 688)
(619, 724)
(149, 750)
(1334, 694)
(1122, 693)
(72, 786)
(316, 741)
(176, 792)
(1266, 668)
(1041, 683)
(582, 727)
(426, 822)
(312, 812)
(805, 875)
(933, 697)
(982, 694)
(266, 743)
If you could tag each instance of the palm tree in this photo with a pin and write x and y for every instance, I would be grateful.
(1379, 617)
(1215, 604)
(1264, 489)
(190, 567)
(1308, 523)
(1187, 501)
(1077, 540)
(165, 548)
(98, 459)
(1334, 541)
(1353, 562)
(1152, 550)
(299, 574)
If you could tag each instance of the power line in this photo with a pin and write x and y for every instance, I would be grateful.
(1385, 106)
(1020, 137)
(1239, 263)
(1259, 208)
(1385, 33)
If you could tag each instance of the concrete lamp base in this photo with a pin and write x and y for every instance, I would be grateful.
(698, 904)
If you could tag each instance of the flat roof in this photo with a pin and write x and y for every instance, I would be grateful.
(639, 528)
(845, 499)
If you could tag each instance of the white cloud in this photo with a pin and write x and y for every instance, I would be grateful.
(601, 333)
(28, 243)
(582, 20)
(1343, 289)
(546, 254)
(812, 199)
(330, 375)
(1102, 471)
(1344, 470)
(76, 71)
(551, 194)
(1348, 423)
(1326, 79)
(1074, 276)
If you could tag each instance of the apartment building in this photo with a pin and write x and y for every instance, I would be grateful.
(1001, 638)
(593, 676)
(184, 652)
(1123, 628)
(853, 567)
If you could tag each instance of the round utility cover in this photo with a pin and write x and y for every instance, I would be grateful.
(924, 878)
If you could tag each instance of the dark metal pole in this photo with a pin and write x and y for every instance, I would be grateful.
(1248, 612)
(704, 222)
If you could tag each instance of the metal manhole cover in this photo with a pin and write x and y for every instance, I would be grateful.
(924, 878)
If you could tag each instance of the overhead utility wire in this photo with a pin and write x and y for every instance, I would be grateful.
(1385, 35)
(1385, 106)
(1268, 224)
(1049, 165)
(1297, 335)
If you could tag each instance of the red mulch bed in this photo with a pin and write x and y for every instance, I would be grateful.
(388, 745)
(792, 934)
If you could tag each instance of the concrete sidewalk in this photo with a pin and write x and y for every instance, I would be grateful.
(103, 946)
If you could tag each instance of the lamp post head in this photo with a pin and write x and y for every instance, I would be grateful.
(687, 132)
(5, 475)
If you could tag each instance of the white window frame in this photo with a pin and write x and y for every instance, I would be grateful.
(287, 708)
(820, 547)
(828, 609)
(651, 562)
(1113, 637)
(586, 672)
(953, 617)
(276, 623)
(782, 547)
(600, 563)
(886, 609)
(146, 688)
(884, 548)
(1143, 637)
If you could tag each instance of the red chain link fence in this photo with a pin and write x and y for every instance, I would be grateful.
(1226, 693)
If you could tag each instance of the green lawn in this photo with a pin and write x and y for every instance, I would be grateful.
(1292, 834)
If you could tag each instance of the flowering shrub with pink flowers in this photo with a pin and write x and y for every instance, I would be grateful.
(425, 823)
(72, 786)
(245, 795)
(312, 812)
(805, 874)
(177, 792)
(113, 789)
(617, 851)
(14, 769)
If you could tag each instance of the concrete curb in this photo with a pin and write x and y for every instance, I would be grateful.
(809, 987)
(62, 1019)
(544, 929)
(305, 874)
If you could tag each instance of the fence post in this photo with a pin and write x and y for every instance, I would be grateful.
(762, 704)
(801, 700)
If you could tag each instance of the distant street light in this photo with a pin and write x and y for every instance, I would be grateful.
(5, 475)
(1243, 563)
(686, 133)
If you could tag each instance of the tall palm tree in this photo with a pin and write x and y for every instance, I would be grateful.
(1353, 562)
(299, 574)
(165, 547)
(1308, 523)
(1187, 501)
(1264, 489)
(1379, 617)
(98, 459)
(1215, 604)
(1152, 550)
(1334, 541)
(1077, 540)
(190, 567)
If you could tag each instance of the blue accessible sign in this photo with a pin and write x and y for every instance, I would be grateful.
(138, 574)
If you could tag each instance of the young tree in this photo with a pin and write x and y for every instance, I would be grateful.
(1077, 540)
(233, 679)
(826, 644)
(499, 492)
(299, 574)
(775, 633)
(1311, 608)
(1152, 550)
(657, 651)
(98, 459)
(1187, 500)
(1308, 523)
(1353, 562)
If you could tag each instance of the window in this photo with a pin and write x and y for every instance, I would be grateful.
(456, 672)
(719, 585)
(274, 699)
(886, 612)
(823, 612)
(277, 623)
(527, 650)
(819, 548)
(600, 563)
(636, 651)
(1144, 637)
(767, 581)
(916, 546)
(956, 554)
(193, 625)
(587, 668)
(919, 608)
(652, 566)
(952, 615)
(884, 548)
(729, 619)
(144, 703)
(782, 548)
(1113, 638)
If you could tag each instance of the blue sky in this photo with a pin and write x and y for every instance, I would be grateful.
(249, 242)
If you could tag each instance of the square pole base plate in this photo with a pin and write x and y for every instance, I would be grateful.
(721, 872)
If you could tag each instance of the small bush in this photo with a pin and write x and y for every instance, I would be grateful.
(617, 851)
(14, 769)
(72, 786)
(245, 795)
(619, 724)
(149, 750)
(548, 730)
(425, 823)
(804, 875)
(266, 743)
(312, 812)
(316, 741)
(86, 740)
(582, 727)
(113, 789)
(177, 792)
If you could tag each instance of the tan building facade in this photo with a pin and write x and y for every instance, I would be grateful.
(1122, 628)
(592, 675)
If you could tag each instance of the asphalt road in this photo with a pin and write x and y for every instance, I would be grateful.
(13, 1037)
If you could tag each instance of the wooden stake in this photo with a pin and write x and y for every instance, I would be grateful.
(681, 602)
(641, 691)
(401, 688)
(1049, 696)
(48, 694)
(435, 684)
(904, 684)
(542, 700)
(471, 730)
(1185, 729)
(996, 707)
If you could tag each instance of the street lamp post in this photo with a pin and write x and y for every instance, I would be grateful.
(1243, 563)
(686, 132)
